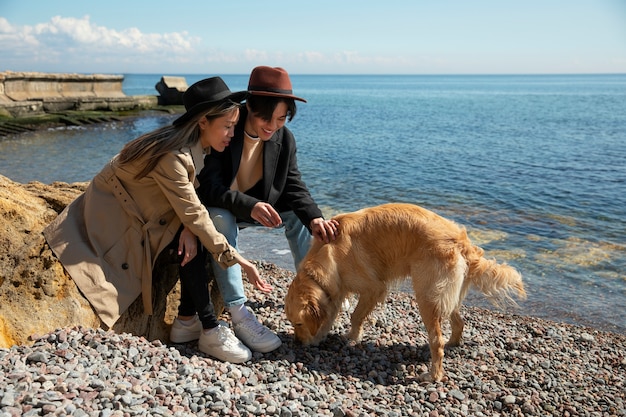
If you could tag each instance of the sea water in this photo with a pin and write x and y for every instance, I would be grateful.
(533, 165)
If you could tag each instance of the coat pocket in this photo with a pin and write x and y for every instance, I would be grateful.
(126, 256)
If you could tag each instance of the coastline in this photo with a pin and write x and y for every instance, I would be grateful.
(69, 118)
(36, 100)
(507, 365)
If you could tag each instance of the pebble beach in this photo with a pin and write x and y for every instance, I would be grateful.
(508, 365)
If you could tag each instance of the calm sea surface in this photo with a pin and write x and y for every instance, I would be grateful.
(533, 166)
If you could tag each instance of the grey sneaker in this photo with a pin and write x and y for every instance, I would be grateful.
(183, 333)
(221, 343)
(255, 335)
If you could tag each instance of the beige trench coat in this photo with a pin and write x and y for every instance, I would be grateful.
(108, 239)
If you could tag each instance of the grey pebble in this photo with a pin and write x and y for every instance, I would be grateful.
(508, 365)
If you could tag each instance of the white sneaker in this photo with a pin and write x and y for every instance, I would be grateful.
(183, 332)
(221, 343)
(255, 335)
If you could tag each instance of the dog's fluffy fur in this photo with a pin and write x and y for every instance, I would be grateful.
(380, 245)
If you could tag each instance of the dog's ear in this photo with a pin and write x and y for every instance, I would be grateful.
(317, 309)
(316, 317)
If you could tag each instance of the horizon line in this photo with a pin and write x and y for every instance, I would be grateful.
(332, 74)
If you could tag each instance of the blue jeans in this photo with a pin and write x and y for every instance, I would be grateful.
(229, 280)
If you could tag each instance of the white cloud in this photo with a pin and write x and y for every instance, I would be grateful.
(68, 44)
(79, 33)
(74, 41)
(256, 55)
(12, 37)
(313, 57)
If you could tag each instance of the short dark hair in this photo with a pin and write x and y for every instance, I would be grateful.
(264, 106)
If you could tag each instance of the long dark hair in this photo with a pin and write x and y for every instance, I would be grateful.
(153, 145)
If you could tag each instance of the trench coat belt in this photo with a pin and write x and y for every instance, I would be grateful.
(130, 207)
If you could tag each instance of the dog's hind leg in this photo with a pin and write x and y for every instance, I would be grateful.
(457, 324)
(432, 320)
(364, 307)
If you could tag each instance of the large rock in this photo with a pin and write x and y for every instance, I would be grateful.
(171, 90)
(37, 295)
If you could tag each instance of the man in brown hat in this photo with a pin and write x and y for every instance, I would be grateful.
(256, 180)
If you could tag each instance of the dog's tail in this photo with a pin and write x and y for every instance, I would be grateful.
(499, 282)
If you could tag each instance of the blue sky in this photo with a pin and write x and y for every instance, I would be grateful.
(314, 37)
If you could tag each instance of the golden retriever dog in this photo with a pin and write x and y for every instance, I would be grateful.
(378, 246)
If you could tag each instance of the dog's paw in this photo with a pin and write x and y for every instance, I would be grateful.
(453, 343)
(425, 378)
(351, 343)
(428, 378)
(354, 335)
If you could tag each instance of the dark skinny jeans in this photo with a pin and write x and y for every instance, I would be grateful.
(194, 290)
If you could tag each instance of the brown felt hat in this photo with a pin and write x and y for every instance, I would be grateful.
(272, 82)
(205, 94)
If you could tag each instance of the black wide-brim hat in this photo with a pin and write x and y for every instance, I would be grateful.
(272, 82)
(205, 94)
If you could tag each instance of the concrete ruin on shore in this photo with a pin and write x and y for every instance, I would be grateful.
(27, 94)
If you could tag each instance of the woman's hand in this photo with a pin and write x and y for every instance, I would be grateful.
(265, 214)
(187, 246)
(324, 230)
(253, 276)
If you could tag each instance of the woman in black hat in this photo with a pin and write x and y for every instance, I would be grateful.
(257, 181)
(144, 201)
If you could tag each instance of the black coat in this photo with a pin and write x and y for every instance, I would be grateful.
(281, 184)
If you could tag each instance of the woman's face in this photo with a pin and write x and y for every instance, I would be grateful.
(218, 132)
(265, 129)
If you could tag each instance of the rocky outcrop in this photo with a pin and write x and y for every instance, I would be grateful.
(36, 294)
